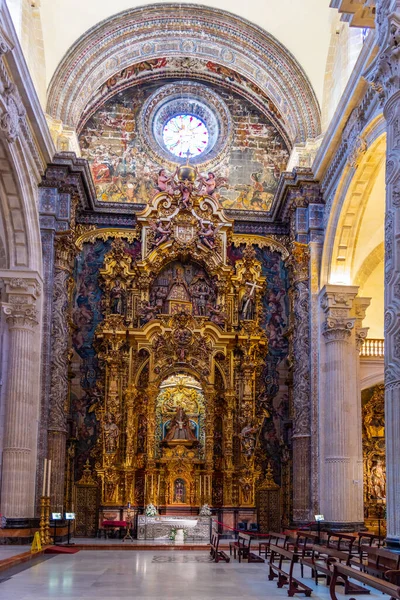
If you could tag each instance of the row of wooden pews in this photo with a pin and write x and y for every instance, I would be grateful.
(338, 558)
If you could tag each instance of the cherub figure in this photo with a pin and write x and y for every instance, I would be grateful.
(161, 232)
(164, 182)
(207, 234)
(211, 184)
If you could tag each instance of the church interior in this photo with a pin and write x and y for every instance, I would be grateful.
(199, 271)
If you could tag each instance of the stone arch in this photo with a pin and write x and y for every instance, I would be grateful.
(348, 207)
(18, 203)
(163, 31)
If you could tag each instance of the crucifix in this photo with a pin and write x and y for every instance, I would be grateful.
(249, 295)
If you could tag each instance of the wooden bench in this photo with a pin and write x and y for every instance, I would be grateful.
(285, 577)
(345, 572)
(215, 552)
(321, 564)
(341, 541)
(376, 561)
(366, 538)
(277, 539)
(241, 547)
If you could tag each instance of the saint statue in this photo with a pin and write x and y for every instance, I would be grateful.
(117, 299)
(179, 491)
(111, 433)
(378, 480)
(179, 428)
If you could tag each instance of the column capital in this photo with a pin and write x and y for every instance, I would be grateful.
(21, 316)
(337, 303)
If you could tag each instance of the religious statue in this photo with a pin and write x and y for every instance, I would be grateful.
(161, 232)
(179, 491)
(207, 234)
(164, 182)
(117, 298)
(378, 480)
(111, 433)
(248, 439)
(179, 428)
(217, 315)
(147, 312)
(247, 306)
(210, 183)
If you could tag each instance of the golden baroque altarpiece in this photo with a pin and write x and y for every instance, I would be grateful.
(181, 351)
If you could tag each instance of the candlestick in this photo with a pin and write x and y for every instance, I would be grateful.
(145, 489)
(48, 478)
(158, 489)
(44, 477)
(200, 487)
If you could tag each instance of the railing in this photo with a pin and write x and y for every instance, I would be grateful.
(372, 348)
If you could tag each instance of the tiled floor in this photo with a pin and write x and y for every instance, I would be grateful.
(114, 575)
(8, 551)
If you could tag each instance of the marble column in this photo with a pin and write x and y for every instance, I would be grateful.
(22, 398)
(341, 478)
(384, 75)
(58, 408)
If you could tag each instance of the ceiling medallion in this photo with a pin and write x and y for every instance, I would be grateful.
(185, 116)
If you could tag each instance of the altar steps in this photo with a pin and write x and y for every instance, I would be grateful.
(137, 546)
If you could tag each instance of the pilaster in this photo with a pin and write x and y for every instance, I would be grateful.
(384, 76)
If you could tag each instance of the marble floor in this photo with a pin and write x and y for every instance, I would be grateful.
(8, 551)
(160, 575)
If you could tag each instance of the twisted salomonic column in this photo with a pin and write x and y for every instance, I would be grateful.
(384, 75)
(58, 409)
(341, 497)
(21, 409)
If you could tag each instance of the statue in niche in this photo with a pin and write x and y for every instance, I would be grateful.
(200, 295)
(248, 439)
(180, 428)
(117, 298)
(378, 480)
(111, 433)
(178, 290)
(247, 307)
(179, 491)
(141, 434)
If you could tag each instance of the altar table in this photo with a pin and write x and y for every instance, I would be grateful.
(159, 527)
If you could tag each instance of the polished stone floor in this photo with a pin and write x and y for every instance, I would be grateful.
(146, 575)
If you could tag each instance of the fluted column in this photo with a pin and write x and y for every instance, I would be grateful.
(384, 75)
(21, 410)
(339, 425)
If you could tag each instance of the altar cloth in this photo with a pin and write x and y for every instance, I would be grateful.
(159, 527)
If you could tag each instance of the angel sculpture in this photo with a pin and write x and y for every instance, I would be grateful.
(161, 232)
(164, 182)
(217, 314)
(211, 184)
(208, 233)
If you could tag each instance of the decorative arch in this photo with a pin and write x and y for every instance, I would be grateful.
(160, 31)
(348, 206)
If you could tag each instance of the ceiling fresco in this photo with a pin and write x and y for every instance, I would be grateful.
(125, 168)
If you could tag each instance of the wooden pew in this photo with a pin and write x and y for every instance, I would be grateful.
(277, 539)
(215, 552)
(376, 561)
(341, 541)
(345, 572)
(241, 546)
(321, 564)
(285, 577)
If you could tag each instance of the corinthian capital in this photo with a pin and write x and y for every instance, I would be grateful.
(337, 303)
(21, 316)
